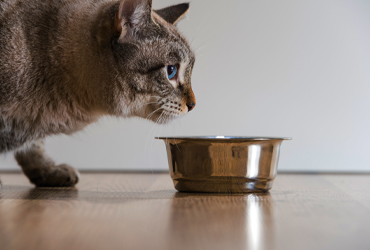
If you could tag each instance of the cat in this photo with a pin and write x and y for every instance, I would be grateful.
(66, 63)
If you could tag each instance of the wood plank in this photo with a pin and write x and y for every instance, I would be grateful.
(143, 211)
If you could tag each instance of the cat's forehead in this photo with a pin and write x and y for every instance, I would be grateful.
(171, 40)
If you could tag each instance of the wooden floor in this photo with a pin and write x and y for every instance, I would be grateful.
(143, 211)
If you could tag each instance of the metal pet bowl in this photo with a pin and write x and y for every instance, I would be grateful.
(223, 164)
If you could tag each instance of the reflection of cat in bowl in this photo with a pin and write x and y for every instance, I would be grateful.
(64, 64)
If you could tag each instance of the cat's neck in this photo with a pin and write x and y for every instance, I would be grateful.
(100, 79)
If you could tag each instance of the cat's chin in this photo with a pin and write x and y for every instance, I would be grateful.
(163, 117)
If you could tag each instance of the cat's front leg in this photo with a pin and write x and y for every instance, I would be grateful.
(41, 170)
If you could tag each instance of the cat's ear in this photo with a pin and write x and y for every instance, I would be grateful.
(173, 13)
(131, 14)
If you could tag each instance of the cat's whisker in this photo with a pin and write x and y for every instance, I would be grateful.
(203, 45)
(151, 150)
(195, 40)
(208, 41)
(167, 124)
(160, 122)
(200, 30)
(197, 33)
(159, 119)
(150, 115)
(146, 104)
(155, 96)
(169, 117)
(198, 50)
(166, 128)
(176, 144)
(157, 122)
(146, 142)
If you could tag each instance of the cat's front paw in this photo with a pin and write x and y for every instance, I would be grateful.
(59, 176)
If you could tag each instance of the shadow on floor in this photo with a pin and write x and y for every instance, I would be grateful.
(27, 193)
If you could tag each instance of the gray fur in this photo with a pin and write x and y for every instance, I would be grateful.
(66, 63)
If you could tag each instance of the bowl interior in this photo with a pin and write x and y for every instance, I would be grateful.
(222, 137)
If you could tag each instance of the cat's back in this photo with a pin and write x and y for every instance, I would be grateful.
(29, 26)
(37, 23)
(33, 37)
(28, 35)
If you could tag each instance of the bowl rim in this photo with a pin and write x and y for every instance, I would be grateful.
(221, 137)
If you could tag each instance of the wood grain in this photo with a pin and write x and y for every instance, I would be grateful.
(143, 211)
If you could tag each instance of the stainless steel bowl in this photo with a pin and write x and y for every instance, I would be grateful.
(223, 164)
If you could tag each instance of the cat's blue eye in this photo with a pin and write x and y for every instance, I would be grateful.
(171, 71)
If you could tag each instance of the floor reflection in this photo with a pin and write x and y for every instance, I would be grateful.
(259, 222)
(243, 221)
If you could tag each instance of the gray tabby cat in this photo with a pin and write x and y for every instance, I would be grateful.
(66, 63)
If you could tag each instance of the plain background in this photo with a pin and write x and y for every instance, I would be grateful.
(264, 68)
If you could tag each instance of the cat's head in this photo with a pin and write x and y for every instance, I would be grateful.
(155, 61)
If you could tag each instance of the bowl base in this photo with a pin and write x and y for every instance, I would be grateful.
(223, 185)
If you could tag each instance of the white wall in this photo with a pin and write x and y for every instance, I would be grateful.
(268, 68)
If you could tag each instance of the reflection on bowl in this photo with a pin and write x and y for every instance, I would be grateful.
(223, 164)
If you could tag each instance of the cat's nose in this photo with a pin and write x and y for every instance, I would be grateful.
(190, 105)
